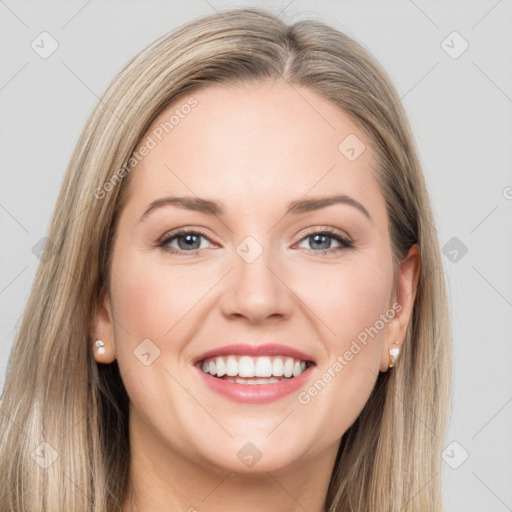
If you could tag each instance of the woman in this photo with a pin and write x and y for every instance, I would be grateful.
(260, 371)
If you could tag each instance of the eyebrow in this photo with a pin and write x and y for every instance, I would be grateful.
(211, 207)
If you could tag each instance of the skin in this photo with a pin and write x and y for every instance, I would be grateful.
(254, 147)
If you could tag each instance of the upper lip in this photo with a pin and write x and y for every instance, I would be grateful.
(267, 349)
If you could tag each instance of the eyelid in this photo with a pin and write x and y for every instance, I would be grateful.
(179, 231)
(329, 230)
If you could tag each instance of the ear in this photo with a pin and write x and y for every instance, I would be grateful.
(403, 303)
(103, 329)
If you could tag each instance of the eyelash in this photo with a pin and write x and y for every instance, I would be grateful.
(168, 237)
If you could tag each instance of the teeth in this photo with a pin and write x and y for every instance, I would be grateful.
(231, 366)
(250, 368)
(278, 367)
(252, 381)
(288, 367)
(246, 367)
(221, 367)
(263, 367)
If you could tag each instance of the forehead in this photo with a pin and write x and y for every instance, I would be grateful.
(252, 146)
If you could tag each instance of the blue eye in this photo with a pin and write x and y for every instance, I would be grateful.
(186, 240)
(322, 238)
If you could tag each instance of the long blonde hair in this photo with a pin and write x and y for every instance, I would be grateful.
(55, 392)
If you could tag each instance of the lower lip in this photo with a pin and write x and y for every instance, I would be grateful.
(255, 393)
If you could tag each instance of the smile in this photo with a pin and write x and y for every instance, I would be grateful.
(254, 370)
(254, 374)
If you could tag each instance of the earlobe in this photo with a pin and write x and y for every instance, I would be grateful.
(393, 354)
(102, 333)
(390, 354)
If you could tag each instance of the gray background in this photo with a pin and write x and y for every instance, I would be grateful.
(460, 111)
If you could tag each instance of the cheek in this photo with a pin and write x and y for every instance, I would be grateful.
(153, 302)
(348, 303)
(348, 297)
(153, 299)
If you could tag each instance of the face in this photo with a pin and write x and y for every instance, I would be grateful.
(205, 294)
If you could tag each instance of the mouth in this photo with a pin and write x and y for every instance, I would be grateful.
(254, 370)
(254, 373)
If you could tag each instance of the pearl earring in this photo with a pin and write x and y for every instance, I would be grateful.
(393, 355)
(100, 347)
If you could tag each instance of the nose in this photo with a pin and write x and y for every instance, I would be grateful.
(257, 289)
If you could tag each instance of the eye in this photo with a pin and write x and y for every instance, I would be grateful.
(188, 241)
(321, 240)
